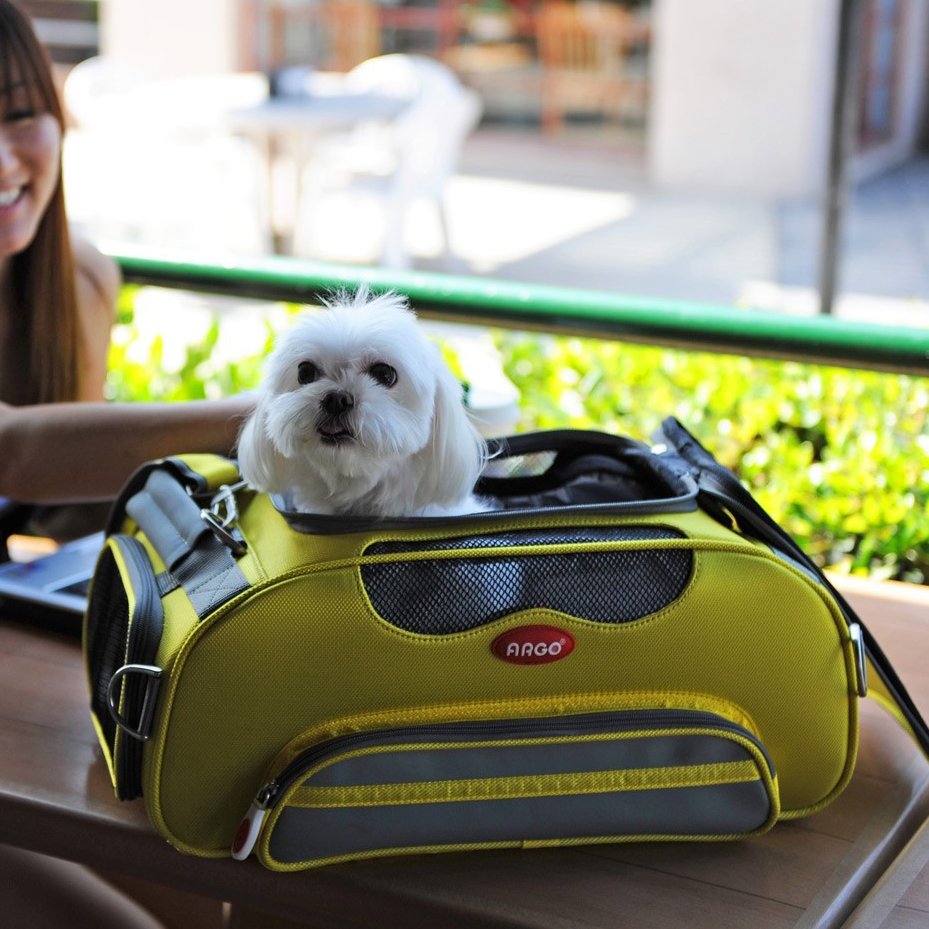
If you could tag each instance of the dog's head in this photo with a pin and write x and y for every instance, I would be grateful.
(353, 393)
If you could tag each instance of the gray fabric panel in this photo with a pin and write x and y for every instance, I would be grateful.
(199, 562)
(304, 834)
(166, 583)
(514, 760)
(168, 516)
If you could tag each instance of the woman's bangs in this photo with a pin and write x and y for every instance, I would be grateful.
(24, 70)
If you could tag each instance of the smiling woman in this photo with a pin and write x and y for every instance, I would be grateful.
(40, 268)
(57, 298)
(31, 142)
(57, 306)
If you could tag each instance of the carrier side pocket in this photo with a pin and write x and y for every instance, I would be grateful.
(121, 636)
(603, 776)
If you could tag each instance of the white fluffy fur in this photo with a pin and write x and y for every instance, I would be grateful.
(405, 450)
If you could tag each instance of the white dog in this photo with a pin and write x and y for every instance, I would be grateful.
(359, 415)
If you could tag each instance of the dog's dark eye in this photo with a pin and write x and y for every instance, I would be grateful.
(307, 372)
(384, 374)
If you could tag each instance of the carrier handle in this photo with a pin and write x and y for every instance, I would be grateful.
(578, 452)
(140, 730)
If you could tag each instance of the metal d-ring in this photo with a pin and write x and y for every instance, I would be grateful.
(152, 674)
(222, 516)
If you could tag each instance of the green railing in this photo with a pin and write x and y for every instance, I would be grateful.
(681, 324)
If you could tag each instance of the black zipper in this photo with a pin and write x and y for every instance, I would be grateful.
(145, 646)
(321, 524)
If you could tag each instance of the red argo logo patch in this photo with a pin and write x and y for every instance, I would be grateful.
(533, 645)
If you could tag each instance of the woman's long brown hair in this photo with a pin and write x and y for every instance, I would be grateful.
(45, 330)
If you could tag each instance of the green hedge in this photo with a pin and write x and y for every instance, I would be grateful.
(839, 457)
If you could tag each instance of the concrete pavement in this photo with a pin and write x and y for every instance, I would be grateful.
(578, 211)
(618, 233)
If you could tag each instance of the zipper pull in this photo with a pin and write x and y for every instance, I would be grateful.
(246, 836)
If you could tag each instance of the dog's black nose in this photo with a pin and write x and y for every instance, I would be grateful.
(337, 402)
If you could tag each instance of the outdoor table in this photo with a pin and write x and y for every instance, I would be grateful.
(287, 130)
(55, 798)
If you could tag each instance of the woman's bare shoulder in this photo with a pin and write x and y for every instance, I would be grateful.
(98, 279)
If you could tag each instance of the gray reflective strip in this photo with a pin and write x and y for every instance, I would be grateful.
(171, 521)
(718, 810)
(410, 766)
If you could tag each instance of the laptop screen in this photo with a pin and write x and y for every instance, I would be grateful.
(58, 583)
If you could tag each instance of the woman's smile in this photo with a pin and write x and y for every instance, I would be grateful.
(9, 198)
(30, 158)
(30, 150)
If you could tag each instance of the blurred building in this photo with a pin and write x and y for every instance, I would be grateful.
(68, 28)
(742, 92)
(719, 95)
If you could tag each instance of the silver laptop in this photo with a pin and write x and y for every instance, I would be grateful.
(58, 583)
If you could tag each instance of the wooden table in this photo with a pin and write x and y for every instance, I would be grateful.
(55, 798)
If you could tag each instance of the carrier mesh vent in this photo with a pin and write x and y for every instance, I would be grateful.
(442, 597)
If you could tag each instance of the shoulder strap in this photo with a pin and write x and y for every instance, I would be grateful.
(722, 495)
(181, 504)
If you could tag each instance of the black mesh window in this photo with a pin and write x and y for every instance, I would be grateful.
(440, 597)
(107, 631)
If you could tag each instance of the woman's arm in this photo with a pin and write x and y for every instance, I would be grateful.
(69, 452)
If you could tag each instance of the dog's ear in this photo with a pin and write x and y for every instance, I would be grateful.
(457, 453)
(260, 463)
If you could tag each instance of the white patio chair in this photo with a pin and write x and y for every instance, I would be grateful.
(95, 90)
(393, 165)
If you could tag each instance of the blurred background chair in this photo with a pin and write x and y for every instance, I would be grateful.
(151, 162)
(95, 87)
(585, 55)
(353, 33)
(394, 165)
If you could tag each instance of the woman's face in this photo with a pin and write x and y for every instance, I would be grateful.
(30, 149)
